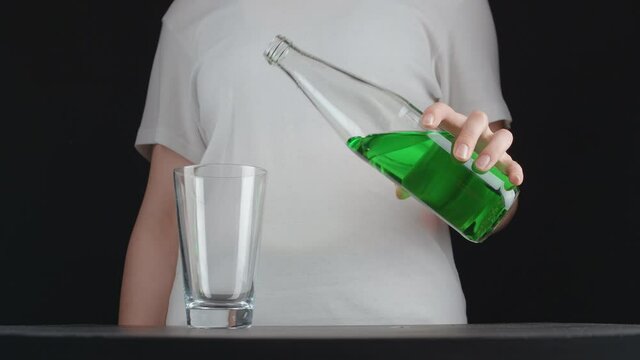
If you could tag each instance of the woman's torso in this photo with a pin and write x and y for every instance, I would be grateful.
(337, 246)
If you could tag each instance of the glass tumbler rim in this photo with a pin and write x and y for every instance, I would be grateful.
(230, 167)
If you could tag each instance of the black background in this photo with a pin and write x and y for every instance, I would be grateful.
(75, 76)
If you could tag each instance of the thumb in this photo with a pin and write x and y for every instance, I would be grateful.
(401, 193)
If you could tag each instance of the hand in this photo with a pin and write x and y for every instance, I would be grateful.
(471, 133)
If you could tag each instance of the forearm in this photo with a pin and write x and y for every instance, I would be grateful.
(148, 275)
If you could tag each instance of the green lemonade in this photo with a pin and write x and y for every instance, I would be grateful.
(470, 201)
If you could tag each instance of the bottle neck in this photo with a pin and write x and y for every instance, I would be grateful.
(351, 105)
(321, 82)
(278, 49)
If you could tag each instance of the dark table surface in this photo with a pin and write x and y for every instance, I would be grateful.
(490, 341)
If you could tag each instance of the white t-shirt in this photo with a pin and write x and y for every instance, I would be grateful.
(337, 246)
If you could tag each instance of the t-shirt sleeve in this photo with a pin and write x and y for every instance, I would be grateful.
(468, 65)
(170, 115)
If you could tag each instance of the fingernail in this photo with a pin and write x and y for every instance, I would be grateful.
(482, 162)
(401, 193)
(428, 120)
(462, 151)
(516, 179)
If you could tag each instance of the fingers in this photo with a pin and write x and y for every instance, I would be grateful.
(495, 154)
(442, 115)
(471, 133)
(515, 173)
(500, 141)
(475, 126)
(511, 168)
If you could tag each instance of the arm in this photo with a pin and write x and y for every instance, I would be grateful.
(153, 247)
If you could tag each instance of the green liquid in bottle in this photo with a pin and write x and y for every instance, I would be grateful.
(472, 202)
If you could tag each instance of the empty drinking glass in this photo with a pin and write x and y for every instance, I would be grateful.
(219, 217)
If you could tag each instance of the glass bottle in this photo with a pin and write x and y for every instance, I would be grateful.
(384, 130)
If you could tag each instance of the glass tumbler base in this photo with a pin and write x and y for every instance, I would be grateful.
(210, 318)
